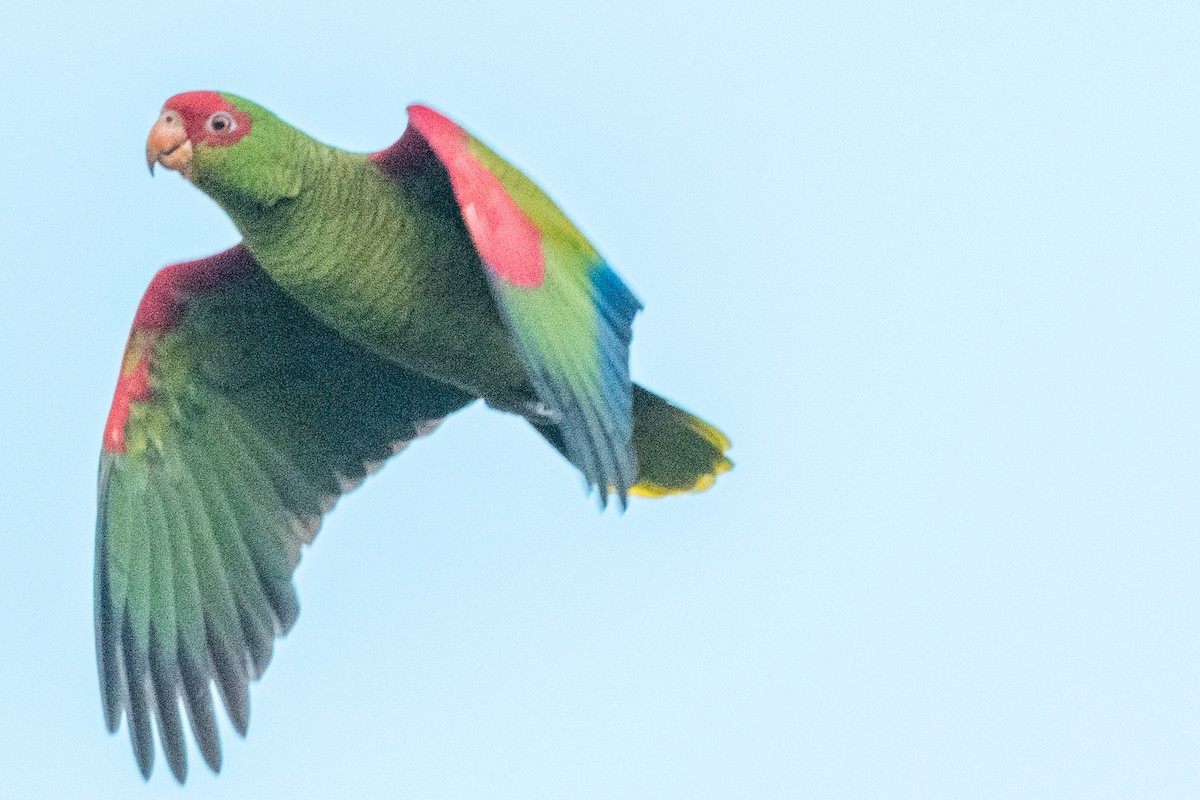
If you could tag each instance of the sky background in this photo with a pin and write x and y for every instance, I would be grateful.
(932, 266)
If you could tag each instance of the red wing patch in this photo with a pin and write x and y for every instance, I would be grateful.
(164, 299)
(132, 386)
(160, 310)
(508, 242)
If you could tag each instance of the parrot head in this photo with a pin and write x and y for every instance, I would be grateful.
(230, 148)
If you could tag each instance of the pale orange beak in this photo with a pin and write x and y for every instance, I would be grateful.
(169, 145)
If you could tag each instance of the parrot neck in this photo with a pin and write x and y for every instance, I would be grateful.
(299, 230)
(260, 177)
(331, 243)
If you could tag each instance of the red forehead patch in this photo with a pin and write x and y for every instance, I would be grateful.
(197, 109)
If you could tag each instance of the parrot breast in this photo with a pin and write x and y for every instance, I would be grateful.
(387, 269)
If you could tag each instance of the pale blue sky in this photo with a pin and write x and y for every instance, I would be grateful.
(932, 266)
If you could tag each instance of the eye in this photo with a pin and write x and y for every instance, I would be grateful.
(221, 122)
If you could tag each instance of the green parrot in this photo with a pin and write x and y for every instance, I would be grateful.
(371, 296)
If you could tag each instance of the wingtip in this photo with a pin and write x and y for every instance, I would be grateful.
(179, 770)
(145, 760)
(213, 760)
(605, 494)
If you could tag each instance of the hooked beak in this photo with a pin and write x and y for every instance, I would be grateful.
(169, 145)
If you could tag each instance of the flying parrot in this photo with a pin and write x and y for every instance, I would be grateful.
(371, 296)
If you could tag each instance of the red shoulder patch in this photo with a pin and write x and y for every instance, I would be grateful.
(163, 302)
(160, 310)
(508, 241)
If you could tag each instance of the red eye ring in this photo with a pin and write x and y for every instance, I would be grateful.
(222, 122)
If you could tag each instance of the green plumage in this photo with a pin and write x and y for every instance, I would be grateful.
(389, 265)
(263, 416)
(262, 383)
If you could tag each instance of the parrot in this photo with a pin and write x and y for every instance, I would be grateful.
(371, 295)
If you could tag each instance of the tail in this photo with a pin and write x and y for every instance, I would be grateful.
(676, 451)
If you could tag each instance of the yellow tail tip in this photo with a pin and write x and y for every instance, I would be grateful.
(703, 482)
(677, 452)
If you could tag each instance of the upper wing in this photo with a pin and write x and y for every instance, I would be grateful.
(238, 421)
(568, 312)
